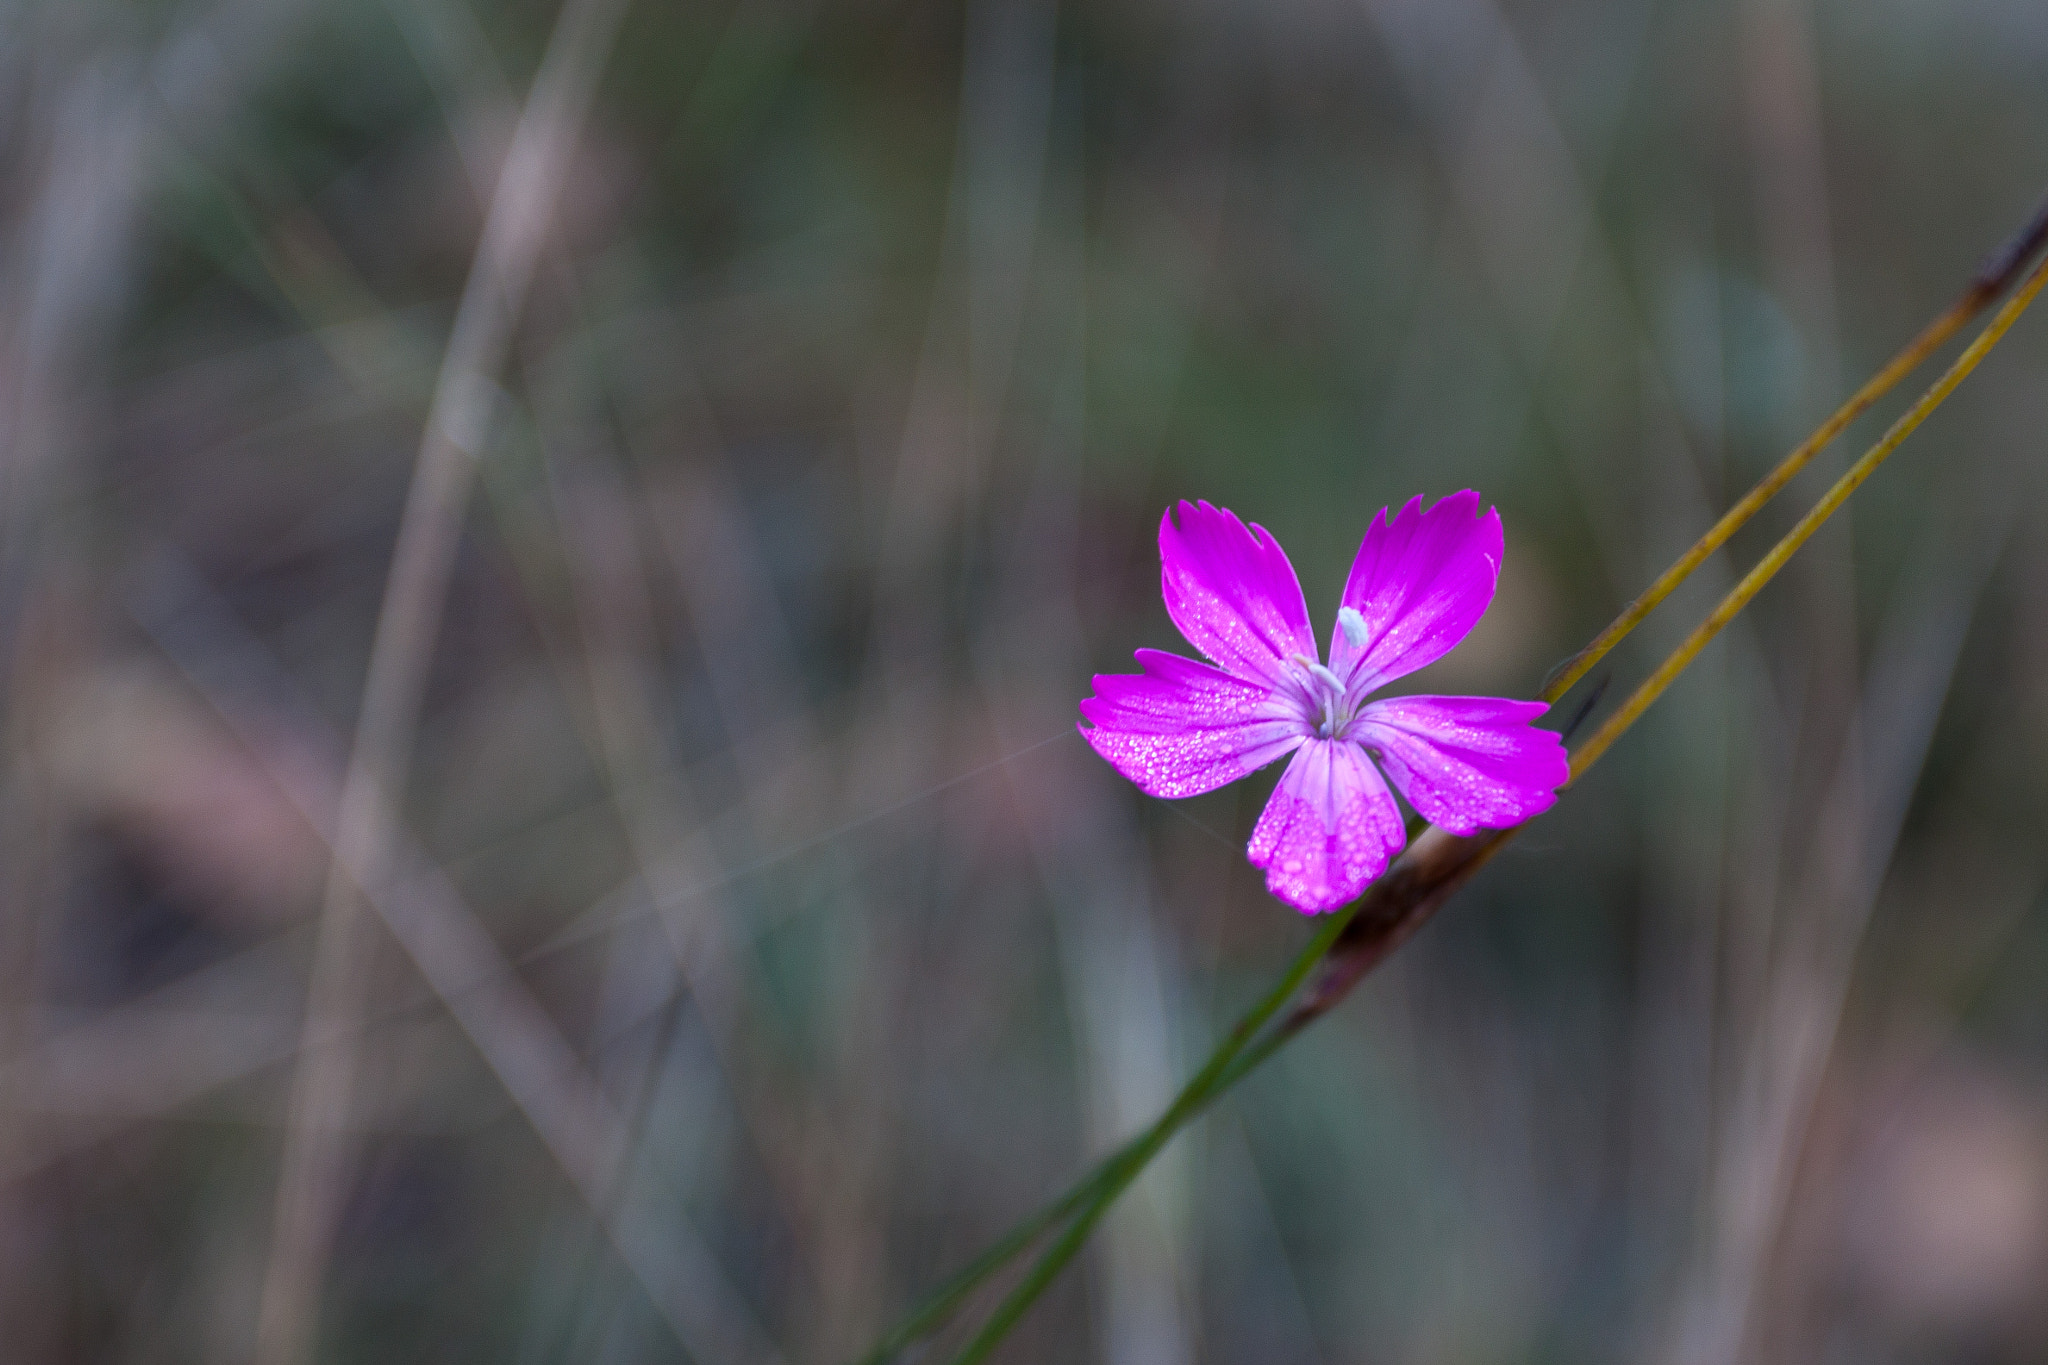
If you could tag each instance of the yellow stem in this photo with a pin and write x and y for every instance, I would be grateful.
(1991, 280)
(1767, 568)
(1904, 363)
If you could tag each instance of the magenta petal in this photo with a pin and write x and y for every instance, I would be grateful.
(1421, 581)
(1466, 763)
(1182, 728)
(1329, 830)
(1233, 594)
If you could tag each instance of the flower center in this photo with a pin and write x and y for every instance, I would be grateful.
(1328, 711)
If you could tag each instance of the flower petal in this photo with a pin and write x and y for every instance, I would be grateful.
(1233, 594)
(1330, 828)
(1182, 728)
(1466, 762)
(1421, 581)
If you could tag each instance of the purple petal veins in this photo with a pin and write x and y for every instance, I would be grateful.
(1232, 592)
(1420, 582)
(1329, 829)
(1467, 763)
(1182, 728)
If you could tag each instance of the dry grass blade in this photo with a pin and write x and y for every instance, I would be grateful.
(1783, 1061)
(470, 976)
(315, 1158)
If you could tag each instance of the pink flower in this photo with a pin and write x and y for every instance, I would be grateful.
(1421, 581)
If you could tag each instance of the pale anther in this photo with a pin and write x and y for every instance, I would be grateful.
(1353, 626)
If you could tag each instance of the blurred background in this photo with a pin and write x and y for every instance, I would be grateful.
(547, 554)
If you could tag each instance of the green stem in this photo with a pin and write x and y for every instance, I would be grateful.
(946, 1299)
(1217, 1075)
(1126, 1166)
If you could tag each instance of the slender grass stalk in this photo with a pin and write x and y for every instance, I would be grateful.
(942, 1302)
(1364, 933)
(318, 1149)
(1992, 279)
(1752, 583)
(1216, 1075)
(1129, 1163)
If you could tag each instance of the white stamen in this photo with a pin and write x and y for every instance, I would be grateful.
(1326, 694)
(1353, 626)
